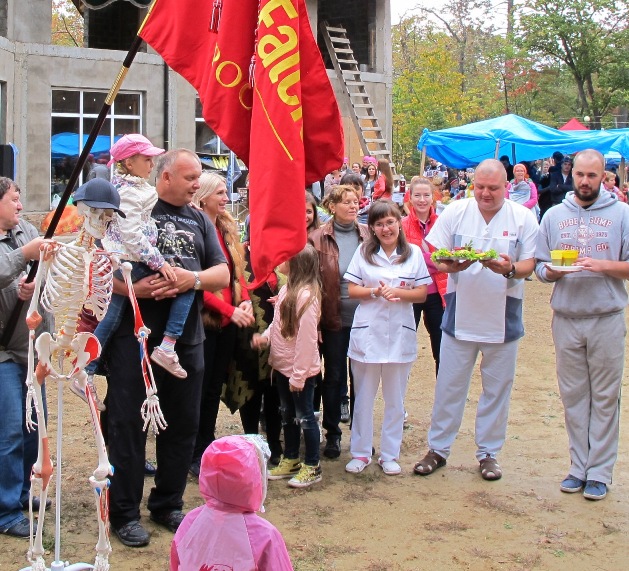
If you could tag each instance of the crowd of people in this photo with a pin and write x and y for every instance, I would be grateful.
(329, 327)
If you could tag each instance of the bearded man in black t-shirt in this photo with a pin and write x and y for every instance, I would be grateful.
(187, 239)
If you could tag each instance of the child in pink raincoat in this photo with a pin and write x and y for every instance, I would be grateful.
(226, 533)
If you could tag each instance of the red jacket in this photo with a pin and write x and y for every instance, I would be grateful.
(415, 234)
(379, 189)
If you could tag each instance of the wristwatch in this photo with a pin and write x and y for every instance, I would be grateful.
(510, 274)
(197, 281)
(373, 293)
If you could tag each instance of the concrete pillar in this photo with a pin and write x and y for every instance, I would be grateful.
(29, 21)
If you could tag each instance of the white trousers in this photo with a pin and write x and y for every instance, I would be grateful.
(590, 359)
(366, 381)
(456, 364)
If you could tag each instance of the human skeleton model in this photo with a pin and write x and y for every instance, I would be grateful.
(75, 276)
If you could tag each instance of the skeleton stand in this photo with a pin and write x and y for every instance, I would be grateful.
(57, 564)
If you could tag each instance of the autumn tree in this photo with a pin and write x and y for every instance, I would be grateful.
(67, 24)
(590, 38)
(426, 88)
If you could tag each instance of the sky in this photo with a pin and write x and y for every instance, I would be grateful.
(398, 7)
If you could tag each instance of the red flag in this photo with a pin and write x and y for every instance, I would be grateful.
(287, 127)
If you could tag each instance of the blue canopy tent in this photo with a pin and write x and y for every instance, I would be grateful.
(67, 145)
(518, 138)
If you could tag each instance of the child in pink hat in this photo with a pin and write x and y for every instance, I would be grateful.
(226, 533)
(134, 239)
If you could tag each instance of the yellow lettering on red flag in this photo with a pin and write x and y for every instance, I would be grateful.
(265, 12)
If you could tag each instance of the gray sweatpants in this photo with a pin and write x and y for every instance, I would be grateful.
(497, 368)
(590, 358)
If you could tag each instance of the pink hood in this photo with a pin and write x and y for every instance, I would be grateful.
(233, 474)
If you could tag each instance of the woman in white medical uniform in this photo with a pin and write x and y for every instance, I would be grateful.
(387, 275)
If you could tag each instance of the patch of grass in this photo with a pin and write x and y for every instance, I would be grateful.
(380, 565)
(479, 553)
(494, 503)
(558, 553)
(526, 560)
(447, 527)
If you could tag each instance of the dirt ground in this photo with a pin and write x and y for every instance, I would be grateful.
(451, 520)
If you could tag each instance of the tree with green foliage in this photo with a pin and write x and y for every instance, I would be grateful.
(426, 88)
(67, 24)
(589, 38)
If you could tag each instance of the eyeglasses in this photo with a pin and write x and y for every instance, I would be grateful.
(388, 224)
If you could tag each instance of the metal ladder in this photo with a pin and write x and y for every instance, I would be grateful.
(370, 135)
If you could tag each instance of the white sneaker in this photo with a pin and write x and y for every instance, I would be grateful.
(357, 465)
(76, 389)
(389, 467)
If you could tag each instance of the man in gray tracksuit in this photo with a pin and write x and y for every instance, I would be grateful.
(588, 320)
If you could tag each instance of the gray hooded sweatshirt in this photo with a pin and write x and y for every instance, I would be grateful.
(600, 232)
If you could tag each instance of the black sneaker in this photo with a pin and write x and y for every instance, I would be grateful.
(344, 412)
(195, 467)
(170, 520)
(36, 504)
(332, 447)
(132, 534)
(21, 529)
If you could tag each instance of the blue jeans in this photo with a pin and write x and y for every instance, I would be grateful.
(297, 415)
(18, 447)
(179, 310)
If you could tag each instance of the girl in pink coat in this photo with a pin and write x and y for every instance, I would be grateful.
(226, 533)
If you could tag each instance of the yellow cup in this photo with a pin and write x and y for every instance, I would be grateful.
(570, 257)
(556, 257)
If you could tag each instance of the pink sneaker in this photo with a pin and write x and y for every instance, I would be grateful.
(168, 360)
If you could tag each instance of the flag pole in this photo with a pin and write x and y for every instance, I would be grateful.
(78, 167)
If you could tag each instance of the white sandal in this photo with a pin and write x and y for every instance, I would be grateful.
(389, 467)
(357, 465)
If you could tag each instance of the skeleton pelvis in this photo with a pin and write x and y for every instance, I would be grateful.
(84, 348)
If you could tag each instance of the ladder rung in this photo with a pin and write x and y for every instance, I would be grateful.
(380, 153)
(359, 95)
(363, 106)
(339, 40)
(360, 83)
(349, 61)
(338, 30)
(366, 118)
(342, 51)
(375, 141)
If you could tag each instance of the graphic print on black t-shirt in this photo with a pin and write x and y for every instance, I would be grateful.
(175, 245)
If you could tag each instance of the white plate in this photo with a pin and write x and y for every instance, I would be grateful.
(564, 269)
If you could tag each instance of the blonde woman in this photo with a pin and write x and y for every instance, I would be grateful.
(225, 311)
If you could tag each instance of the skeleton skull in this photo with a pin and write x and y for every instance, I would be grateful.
(96, 219)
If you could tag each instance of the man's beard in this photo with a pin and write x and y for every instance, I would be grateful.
(590, 198)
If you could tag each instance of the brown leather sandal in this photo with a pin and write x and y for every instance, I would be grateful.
(429, 463)
(490, 469)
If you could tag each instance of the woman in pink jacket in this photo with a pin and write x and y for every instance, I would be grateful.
(226, 533)
(296, 363)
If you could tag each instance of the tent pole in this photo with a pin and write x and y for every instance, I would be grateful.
(422, 162)
(497, 149)
(621, 174)
(513, 161)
